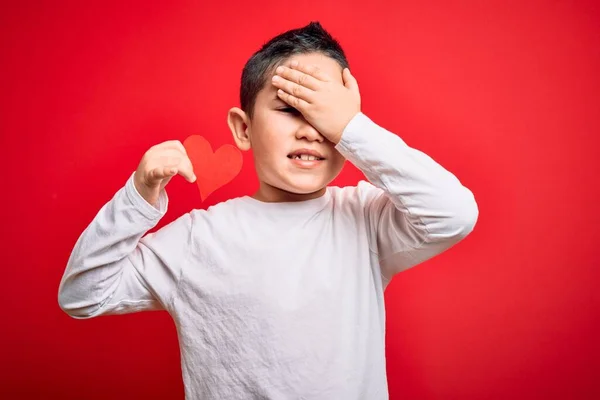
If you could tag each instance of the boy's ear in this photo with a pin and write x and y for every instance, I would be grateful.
(237, 120)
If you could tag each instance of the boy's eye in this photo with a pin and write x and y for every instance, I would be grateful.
(290, 110)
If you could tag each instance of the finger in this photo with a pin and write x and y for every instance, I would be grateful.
(293, 88)
(182, 163)
(349, 80)
(186, 169)
(298, 77)
(156, 175)
(172, 144)
(311, 70)
(293, 101)
(166, 153)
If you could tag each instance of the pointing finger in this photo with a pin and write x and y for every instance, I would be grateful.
(186, 169)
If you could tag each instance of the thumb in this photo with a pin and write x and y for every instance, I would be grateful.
(349, 80)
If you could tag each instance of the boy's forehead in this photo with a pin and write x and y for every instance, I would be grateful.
(325, 63)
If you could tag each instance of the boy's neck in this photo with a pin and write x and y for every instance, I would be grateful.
(270, 194)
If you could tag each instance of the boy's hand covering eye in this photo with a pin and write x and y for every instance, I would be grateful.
(324, 102)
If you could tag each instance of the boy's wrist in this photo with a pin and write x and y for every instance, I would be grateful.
(137, 199)
(335, 139)
(354, 127)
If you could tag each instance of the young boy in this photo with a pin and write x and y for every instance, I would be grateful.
(278, 295)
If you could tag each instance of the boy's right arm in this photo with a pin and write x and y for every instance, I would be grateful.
(114, 268)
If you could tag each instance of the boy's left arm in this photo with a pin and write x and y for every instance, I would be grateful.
(415, 208)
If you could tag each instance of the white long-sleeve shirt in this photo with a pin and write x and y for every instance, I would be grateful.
(276, 300)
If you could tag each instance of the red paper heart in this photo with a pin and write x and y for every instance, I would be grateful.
(212, 170)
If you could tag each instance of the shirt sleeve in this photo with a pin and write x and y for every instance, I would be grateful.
(115, 269)
(415, 209)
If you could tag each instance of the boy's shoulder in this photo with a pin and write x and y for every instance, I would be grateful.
(355, 198)
(361, 190)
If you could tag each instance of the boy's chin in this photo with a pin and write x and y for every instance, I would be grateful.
(303, 188)
(306, 190)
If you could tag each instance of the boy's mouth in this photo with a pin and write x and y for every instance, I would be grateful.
(306, 155)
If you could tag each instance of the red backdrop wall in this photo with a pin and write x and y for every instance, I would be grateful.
(504, 94)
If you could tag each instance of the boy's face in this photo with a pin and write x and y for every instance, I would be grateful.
(277, 133)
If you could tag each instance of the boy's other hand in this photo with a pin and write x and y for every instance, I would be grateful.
(158, 165)
(325, 103)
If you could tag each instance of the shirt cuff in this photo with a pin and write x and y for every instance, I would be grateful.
(361, 131)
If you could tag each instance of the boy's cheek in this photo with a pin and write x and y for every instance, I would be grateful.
(337, 159)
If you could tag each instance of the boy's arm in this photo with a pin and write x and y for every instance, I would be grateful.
(415, 208)
(113, 270)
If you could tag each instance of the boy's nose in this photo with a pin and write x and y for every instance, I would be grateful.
(308, 132)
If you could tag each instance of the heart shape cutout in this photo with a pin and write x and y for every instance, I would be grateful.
(213, 170)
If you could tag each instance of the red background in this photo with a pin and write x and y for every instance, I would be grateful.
(503, 94)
